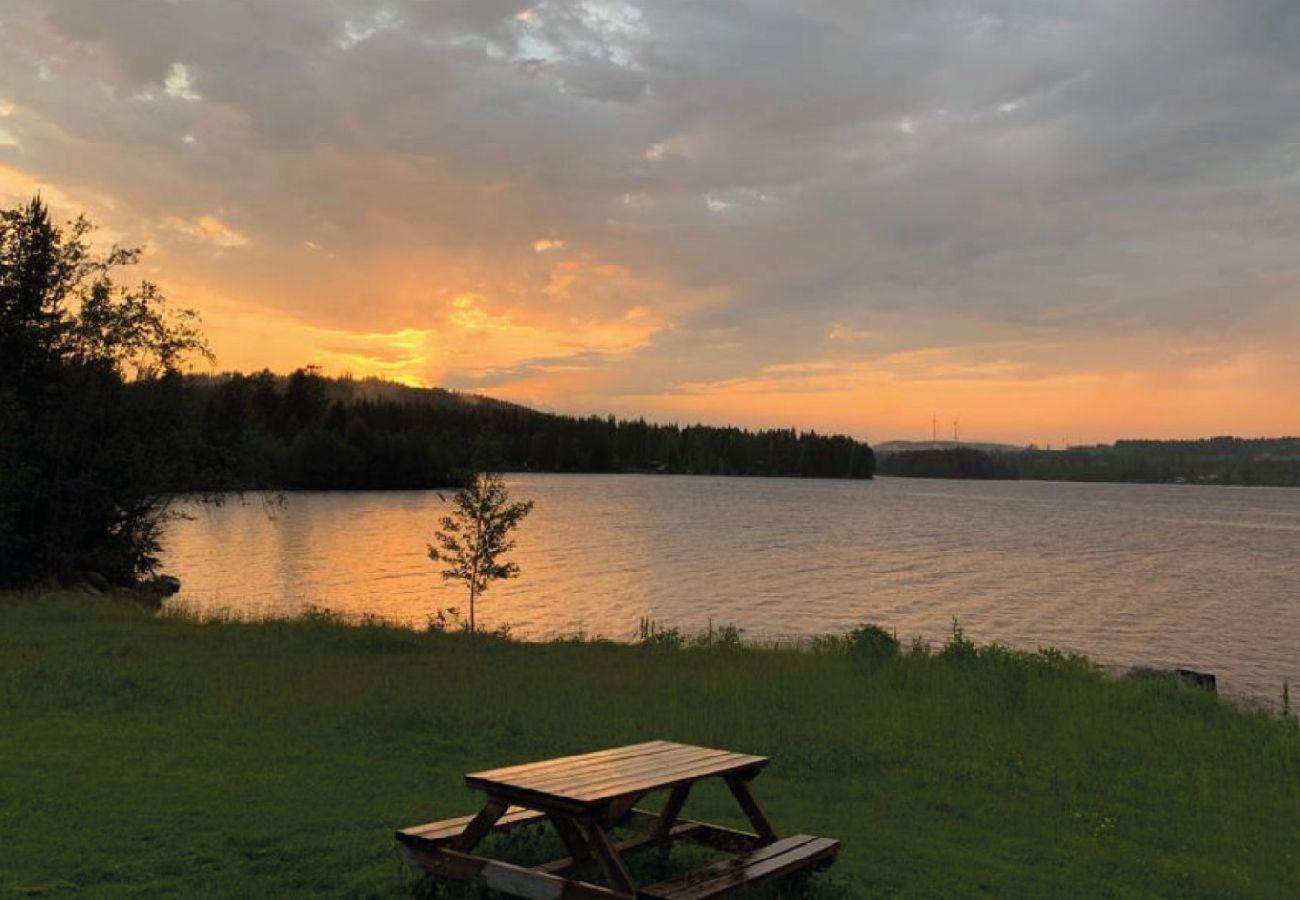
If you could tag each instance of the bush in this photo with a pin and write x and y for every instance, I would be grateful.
(959, 649)
(871, 645)
(652, 634)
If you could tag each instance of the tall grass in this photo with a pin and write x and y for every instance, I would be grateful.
(155, 755)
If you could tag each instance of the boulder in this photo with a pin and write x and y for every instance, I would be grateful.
(1193, 677)
(163, 585)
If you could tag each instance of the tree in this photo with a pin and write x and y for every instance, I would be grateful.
(477, 534)
(92, 443)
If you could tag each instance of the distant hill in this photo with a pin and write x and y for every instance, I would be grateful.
(1215, 460)
(887, 447)
(1220, 447)
(370, 390)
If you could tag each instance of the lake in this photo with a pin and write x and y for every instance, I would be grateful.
(1205, 577)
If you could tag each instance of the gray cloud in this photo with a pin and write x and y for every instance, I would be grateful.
(938, 172)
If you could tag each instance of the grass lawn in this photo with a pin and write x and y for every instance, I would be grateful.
(145, 755)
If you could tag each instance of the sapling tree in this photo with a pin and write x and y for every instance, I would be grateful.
(477, 534)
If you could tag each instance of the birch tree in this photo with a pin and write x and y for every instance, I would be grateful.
(477, 534)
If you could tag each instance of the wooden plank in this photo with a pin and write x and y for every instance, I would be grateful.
(581, 765)
(666, 755)
(506, 877)
(642, 770)
(673, 808)
(649, 766)
(479, 826)
(506, 773)
(681, 831)
(566, 782)
(590, 797)
(447, 829)
(740, 790)
(621, 808)
(574, 840)
(663, 778)
(616, 873)
(772, 861)
(817, 853)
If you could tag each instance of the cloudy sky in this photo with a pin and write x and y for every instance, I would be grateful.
(1056, 220)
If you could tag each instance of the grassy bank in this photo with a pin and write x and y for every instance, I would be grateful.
(154, 756)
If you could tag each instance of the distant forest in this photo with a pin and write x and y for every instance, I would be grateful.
(1218, 460)
(307, 431)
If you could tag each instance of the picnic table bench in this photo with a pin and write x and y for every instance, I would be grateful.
(584, 796)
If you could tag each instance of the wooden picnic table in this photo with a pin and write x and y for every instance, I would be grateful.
(585, 796)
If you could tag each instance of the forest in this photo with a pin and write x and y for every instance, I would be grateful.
(308, 431)
(1218, 460)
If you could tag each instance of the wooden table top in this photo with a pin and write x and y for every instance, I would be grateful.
(591, 779)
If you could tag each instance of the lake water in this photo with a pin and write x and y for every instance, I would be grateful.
(1206, 577)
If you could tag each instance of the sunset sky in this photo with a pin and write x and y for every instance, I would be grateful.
(1058, 221)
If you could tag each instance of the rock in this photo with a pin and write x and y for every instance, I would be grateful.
(1204, 680)
(164, 585)
(1199, 679)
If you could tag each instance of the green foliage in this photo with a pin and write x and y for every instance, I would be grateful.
(723, 637)
(477, 534)
(959, 648)
(275, 759)
(93, 434)
(651, 634)
(870, 646)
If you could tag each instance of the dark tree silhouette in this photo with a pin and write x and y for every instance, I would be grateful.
(87, 460)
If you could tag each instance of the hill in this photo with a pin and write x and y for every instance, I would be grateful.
(1218, 460)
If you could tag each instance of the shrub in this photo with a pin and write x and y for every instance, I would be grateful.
(653, 635)
(959, 649)
(871, 645)
(724, 637)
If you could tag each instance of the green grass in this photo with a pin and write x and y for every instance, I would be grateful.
(144, 755)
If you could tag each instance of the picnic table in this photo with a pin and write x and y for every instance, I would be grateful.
(585, 796)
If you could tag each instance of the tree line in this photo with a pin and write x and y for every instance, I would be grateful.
(308, 431)
(1220, 460)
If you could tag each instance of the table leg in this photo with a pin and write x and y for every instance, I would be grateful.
(672, 809)
(619, 809)
(571, 834)
(620, 879)
(479, 826)
(757, 818)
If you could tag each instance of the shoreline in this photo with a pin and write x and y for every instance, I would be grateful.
(163, 607)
